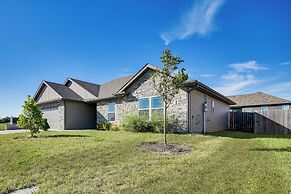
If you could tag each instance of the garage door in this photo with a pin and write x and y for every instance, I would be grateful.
(52, 116)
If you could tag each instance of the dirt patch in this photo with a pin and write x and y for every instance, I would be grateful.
(161, 148)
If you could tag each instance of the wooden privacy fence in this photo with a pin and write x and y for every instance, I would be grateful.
(266, 122)
(242, 121)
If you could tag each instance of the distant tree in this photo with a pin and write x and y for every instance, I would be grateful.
(5, 120)
(31, 118)
(168, 80)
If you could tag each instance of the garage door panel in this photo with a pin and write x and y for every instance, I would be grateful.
(52, 116)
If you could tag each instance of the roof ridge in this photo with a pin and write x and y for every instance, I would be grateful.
(74, 79)
(122, 77)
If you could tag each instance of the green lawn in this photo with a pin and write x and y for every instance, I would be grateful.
(2, 126)
(102, 161)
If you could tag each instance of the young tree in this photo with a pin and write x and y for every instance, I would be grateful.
(168, 80)
(31, 118)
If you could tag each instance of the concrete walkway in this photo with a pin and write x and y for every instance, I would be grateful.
(13, 131)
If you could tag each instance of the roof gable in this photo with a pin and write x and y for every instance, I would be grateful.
(136, 76)
(62, 92)
(45, 93)
(89, 87)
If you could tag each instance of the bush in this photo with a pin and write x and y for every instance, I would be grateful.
(115, 127)
(135, 123)
(3, 126)
(103, 125)
(45, 126)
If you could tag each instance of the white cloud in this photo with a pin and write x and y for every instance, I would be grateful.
(246, 66)
(281, 89)
(286, 63)
(236, 83)
(240, 78)
(206, 75)
(198, 20)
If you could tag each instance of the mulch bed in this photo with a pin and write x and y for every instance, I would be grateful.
(161, 148)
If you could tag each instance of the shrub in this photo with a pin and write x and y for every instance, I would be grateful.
(103, 125)
(115, 127)
(3, 126)
(45, 126)
(135, 123)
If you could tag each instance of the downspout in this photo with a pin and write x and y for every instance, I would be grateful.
(65, 118)
(189, 109)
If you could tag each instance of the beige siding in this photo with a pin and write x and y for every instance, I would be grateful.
(196, 117)
(81, 91)
(215, 120)
(47, 94)
(80, 115)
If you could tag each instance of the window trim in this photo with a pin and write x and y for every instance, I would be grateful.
(150, 105)
(109, 112)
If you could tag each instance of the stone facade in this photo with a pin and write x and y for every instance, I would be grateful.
(141, 88)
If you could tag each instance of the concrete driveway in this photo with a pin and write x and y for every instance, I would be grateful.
(13, 131)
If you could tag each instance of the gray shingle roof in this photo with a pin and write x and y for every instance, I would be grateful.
(90, 87)
(65, 92)
(258, 98)
(110, 88)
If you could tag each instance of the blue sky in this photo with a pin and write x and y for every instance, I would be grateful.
(233, 46)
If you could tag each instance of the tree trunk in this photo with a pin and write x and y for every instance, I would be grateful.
(165, 124)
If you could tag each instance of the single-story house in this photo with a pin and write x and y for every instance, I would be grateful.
(78, 104)
(258, 101)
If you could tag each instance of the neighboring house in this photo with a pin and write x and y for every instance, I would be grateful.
(258, 101)
(78, 104)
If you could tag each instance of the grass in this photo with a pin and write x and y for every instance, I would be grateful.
(105, 161)
(2, 126)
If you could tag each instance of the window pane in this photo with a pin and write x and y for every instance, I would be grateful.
(264, 108)
(143, 103)
(157, 114)
(285, 107)
(157, 102)
(246, 110)
(144, 114)
(111, 116)
(111, 107)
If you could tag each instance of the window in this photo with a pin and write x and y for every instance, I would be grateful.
(143, 107)
(157, 102)
(285, 107)
(264, 108)
(111, 111)
(150, 107)
(246, 110)
(49, 109)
